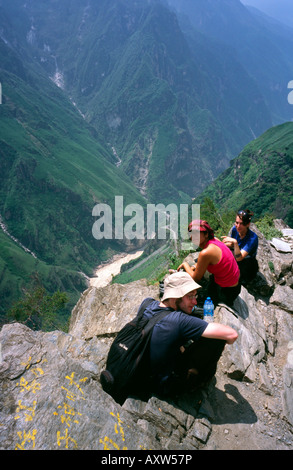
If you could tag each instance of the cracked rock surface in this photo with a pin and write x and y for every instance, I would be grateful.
(51, 397)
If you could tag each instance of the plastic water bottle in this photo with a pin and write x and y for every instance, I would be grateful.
(208, 310)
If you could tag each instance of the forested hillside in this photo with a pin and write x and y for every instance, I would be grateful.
(260, 178)
(171, 106)
(54, 169)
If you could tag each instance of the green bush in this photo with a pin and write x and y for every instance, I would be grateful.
(267, 228)
(38, 309)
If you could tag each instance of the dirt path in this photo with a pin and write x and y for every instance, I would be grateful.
(105, 272)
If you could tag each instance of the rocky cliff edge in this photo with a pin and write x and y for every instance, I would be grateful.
(51, 397)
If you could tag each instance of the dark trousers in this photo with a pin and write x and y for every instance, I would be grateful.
(248, 269)
(203, 356)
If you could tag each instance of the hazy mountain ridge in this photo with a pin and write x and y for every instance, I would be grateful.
(262, 46)
(281, 11)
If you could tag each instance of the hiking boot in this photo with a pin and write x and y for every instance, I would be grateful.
(107, 380)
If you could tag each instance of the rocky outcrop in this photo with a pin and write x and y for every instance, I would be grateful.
(51, 397)
(102, 312)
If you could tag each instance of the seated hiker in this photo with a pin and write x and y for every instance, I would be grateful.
(244, 243)
(176, 367)
(217, 259)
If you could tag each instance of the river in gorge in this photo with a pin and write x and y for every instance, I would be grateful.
(104, 273)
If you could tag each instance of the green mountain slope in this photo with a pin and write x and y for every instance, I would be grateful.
(54, 170)
(53, 173)
(179, 127)
(18, 269)
(173, 111)
(260, 178)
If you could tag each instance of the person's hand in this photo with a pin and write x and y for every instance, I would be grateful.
(183, 266)
(229, 241)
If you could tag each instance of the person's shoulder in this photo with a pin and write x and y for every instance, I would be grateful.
(172, 321)
(209, 247)
(150, 306)
(252, 234)
(149, 303)
(213, 247)
(176, 316)
(185, 318)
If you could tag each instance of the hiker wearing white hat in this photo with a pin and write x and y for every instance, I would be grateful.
(175, 367)
(178, 285)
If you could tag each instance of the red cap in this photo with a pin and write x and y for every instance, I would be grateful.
(201, 225)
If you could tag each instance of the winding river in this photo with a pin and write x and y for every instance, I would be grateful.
(105, 272)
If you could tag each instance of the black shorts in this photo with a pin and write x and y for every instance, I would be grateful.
(218, 294)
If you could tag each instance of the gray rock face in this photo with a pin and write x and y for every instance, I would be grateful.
(283, 297)
(51, 397)
(288, 385)
(106, 310)
(281, 246)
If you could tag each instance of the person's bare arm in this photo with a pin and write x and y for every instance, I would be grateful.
(232, 242)
(187, 268)
(219, 331)
(197, 271)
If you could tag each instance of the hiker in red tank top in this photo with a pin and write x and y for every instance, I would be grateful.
(226, 271)
(217, 259)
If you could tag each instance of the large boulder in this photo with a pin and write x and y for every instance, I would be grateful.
(105, 310)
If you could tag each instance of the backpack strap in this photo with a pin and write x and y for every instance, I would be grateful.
(155, 319)
(143, 306)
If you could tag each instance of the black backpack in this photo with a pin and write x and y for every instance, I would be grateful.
(127, 368)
